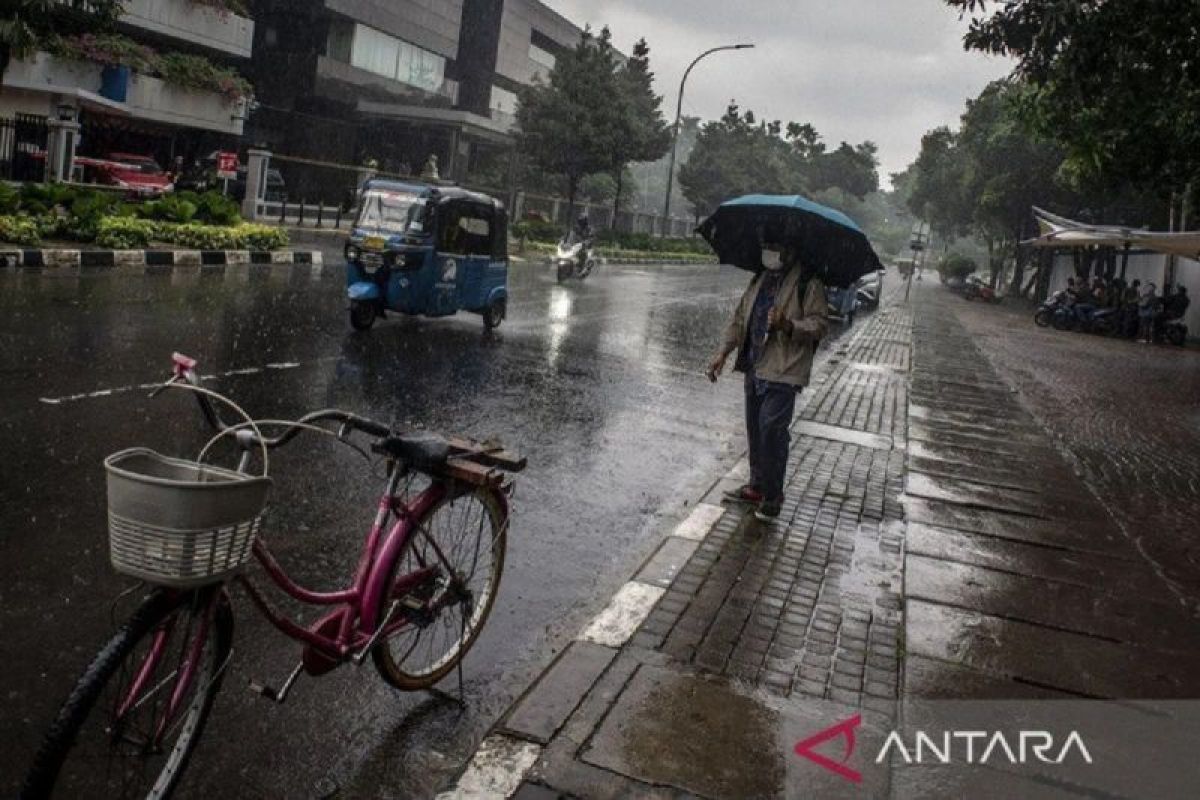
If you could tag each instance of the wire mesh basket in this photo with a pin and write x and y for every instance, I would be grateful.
(180, 523)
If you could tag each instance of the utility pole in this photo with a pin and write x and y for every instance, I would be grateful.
(666, 226)
(918, 244)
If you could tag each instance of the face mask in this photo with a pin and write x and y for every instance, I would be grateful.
(772, 260)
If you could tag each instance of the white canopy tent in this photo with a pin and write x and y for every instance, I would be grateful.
(1059, 231)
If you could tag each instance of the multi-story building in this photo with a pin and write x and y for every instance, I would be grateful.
(151, 103)
(397, 81)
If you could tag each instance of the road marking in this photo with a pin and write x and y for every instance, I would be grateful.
(496, 770)
(699, 522)
(615, 624)
(71, 398)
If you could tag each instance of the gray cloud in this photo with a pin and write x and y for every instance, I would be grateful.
(885, 70)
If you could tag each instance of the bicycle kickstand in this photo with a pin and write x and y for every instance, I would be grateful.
(278, 695)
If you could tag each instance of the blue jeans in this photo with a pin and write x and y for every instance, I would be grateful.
(768, 416)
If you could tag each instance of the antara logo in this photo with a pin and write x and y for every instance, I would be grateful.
(948, 747)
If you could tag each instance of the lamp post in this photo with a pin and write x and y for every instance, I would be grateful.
(675, 134)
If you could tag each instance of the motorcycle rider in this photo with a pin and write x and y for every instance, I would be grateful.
(583, 233)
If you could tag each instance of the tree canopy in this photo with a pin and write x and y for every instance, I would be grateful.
(597, 114)
(739, 154)
(1115, 84)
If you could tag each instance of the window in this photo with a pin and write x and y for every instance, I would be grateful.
(393, 58)
(543, 57)
(466, 229)
(374, 51)
(503, 101)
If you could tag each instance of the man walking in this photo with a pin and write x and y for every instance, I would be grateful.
(775, 330)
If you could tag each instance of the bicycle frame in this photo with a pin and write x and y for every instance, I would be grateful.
(347, 632)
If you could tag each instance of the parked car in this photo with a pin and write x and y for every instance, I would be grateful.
(202, 177)
(140, 175)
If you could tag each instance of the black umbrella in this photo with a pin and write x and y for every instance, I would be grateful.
(826, 238)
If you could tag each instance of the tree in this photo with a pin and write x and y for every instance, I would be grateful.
(641, 133)
(938, 193)
(24, 24)
(737, 155)
(1116, 84)
(566, 127)
(853, 169)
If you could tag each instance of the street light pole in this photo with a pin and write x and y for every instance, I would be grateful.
(675, 135)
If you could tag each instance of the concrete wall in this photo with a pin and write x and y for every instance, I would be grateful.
(520, 19)
(19, 101)
(432, 24)
(1145, 267)
(190, 22)
(148, 98)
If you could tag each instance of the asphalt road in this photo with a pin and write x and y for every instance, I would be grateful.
(598, 383)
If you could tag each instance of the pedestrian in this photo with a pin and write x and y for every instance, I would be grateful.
(1147, 301)
(1129, 309)
(775, 330)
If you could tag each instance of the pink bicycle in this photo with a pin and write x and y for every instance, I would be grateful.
(424, 585)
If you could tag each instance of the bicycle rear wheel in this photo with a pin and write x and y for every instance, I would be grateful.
(111, 740)
(465, 537)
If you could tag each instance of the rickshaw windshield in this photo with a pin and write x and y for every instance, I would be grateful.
(396, 212)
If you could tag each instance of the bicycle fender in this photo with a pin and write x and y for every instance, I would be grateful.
(362, 290)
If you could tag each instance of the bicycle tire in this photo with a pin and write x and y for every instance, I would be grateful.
(48, 763)
(392, 670)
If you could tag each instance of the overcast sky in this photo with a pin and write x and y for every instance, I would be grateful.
(884, 70)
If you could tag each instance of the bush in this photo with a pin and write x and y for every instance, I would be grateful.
(124, 233)
(263, 237)
(20, 230)
(214, 208)
(536, 230)
(10, 199)
(956, 265)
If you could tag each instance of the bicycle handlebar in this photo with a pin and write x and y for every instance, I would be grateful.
(185, 371)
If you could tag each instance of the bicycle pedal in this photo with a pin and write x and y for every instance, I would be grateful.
(278, 695)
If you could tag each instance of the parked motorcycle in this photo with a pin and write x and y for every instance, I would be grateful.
(574, 258)
(978, 290)
(1173, 331)
(1047, 311)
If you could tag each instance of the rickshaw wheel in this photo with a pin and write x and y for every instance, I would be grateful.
(494, 314)
(362, 316)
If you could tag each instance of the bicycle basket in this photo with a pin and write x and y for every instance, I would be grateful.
(180, 523)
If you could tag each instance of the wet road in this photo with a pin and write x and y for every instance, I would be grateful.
(598, 384)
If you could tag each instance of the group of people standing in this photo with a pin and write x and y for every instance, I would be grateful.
(1141, 307)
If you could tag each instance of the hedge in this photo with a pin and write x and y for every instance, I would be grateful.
(127, 233)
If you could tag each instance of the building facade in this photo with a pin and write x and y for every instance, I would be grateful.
(159, 106)
(394, 82)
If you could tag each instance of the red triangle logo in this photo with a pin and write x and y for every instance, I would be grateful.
(844, 730)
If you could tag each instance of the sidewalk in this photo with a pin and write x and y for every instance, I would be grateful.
(934, 544)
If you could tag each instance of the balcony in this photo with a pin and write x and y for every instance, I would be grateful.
(192, 22)
(146, 98)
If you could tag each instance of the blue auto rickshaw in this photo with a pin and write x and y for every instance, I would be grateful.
(426, 250)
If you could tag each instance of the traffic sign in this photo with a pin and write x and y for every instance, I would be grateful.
(227, 164)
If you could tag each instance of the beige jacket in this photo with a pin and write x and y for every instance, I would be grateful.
(787, 358)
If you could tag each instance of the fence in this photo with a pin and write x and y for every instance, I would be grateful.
(315, 194)
(23, 141)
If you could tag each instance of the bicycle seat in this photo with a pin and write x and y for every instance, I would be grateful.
(424, 452)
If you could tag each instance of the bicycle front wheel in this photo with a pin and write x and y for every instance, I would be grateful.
(463, 538)
(135, 716)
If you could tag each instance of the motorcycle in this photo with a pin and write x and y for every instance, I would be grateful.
(1171, 330)
(978, 290)
(574, 258)
(1049, 310)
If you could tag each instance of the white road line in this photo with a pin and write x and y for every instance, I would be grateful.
(71, 398)
(615, 624)
(496, 770)
(699, 522)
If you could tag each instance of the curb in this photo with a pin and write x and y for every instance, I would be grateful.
(108, 259)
